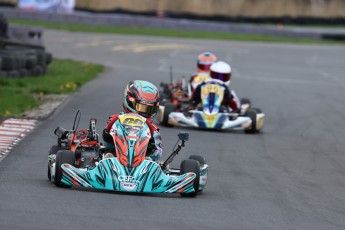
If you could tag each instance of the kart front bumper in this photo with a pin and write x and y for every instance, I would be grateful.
(110, 174)
(219, 121)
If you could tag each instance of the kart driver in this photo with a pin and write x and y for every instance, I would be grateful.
(220, 73)
(140, 97)
(204, 62)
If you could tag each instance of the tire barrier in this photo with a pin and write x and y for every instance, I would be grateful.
(22, 53)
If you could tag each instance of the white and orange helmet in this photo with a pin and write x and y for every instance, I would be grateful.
(205, 60)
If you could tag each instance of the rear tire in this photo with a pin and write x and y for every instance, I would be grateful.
(193, 166)
(257, 110)
(168, 108)
(62, 157)
(245, 101)
(49, 175)
(198, 158)
(252, 114)
(54, 149)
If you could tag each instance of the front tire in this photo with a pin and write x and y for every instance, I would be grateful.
(193, 166)
(53, 151)
(62, 157)
(168, 108)
(252, 114)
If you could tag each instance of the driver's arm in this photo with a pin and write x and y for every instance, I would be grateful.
(196, 96)
(108, 139)
(154, 149)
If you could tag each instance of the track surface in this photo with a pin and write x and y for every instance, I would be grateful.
(292, 176)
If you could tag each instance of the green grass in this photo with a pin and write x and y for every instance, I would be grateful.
(323, 26)
(63, 77)
(168, 32)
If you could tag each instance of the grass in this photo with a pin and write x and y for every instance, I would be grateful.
(63, 77)
(292, 25)
(169, 32)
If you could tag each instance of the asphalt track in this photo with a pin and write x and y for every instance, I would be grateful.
(292, 176)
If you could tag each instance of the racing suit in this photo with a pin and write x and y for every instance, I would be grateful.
(230, 98)
(195, 80)
(154, 149)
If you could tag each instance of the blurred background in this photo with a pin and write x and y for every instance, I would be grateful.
(285, 11)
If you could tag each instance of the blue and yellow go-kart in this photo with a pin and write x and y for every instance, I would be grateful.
(210, 114)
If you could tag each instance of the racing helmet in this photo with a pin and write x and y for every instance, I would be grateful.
(141, 97)
(205, 60)
(221, 71)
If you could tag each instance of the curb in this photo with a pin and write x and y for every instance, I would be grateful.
(12, 131)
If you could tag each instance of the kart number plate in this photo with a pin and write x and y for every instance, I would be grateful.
(212, 88)
(132, 121)
(201, 78)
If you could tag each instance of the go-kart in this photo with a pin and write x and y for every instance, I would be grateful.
(175, 94)
(81, 147)
(211, 114)
(130, 170)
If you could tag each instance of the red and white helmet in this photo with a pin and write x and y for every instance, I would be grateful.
(141, 97)
(221, 71)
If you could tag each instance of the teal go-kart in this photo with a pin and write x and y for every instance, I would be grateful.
(130, 170)
(210, 114)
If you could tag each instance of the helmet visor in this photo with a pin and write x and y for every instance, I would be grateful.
(145, 110)
(204, 67)
(221, 76)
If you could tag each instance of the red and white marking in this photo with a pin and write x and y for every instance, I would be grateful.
(12, 131)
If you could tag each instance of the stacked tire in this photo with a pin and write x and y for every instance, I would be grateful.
(18, 61)
(23, 62)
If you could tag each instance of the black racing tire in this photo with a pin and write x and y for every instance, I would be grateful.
(198, 158)
(31, 61)
(3, 74)
(252, 114)
(168, 108)
(49, 58)
(21, 60)
(245, 101)
(62, 157)
(13, 74)
(53, 151)
(23, 73)
(3, 26)
(191, 165)
(49, 175)
(37, 70)
(40, 70)
(162, 98)
(257, 110)
(9, 62)
(45, 70)
(41, 57)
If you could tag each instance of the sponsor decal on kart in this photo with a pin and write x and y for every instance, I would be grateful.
(128, 182)
(129, 186)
